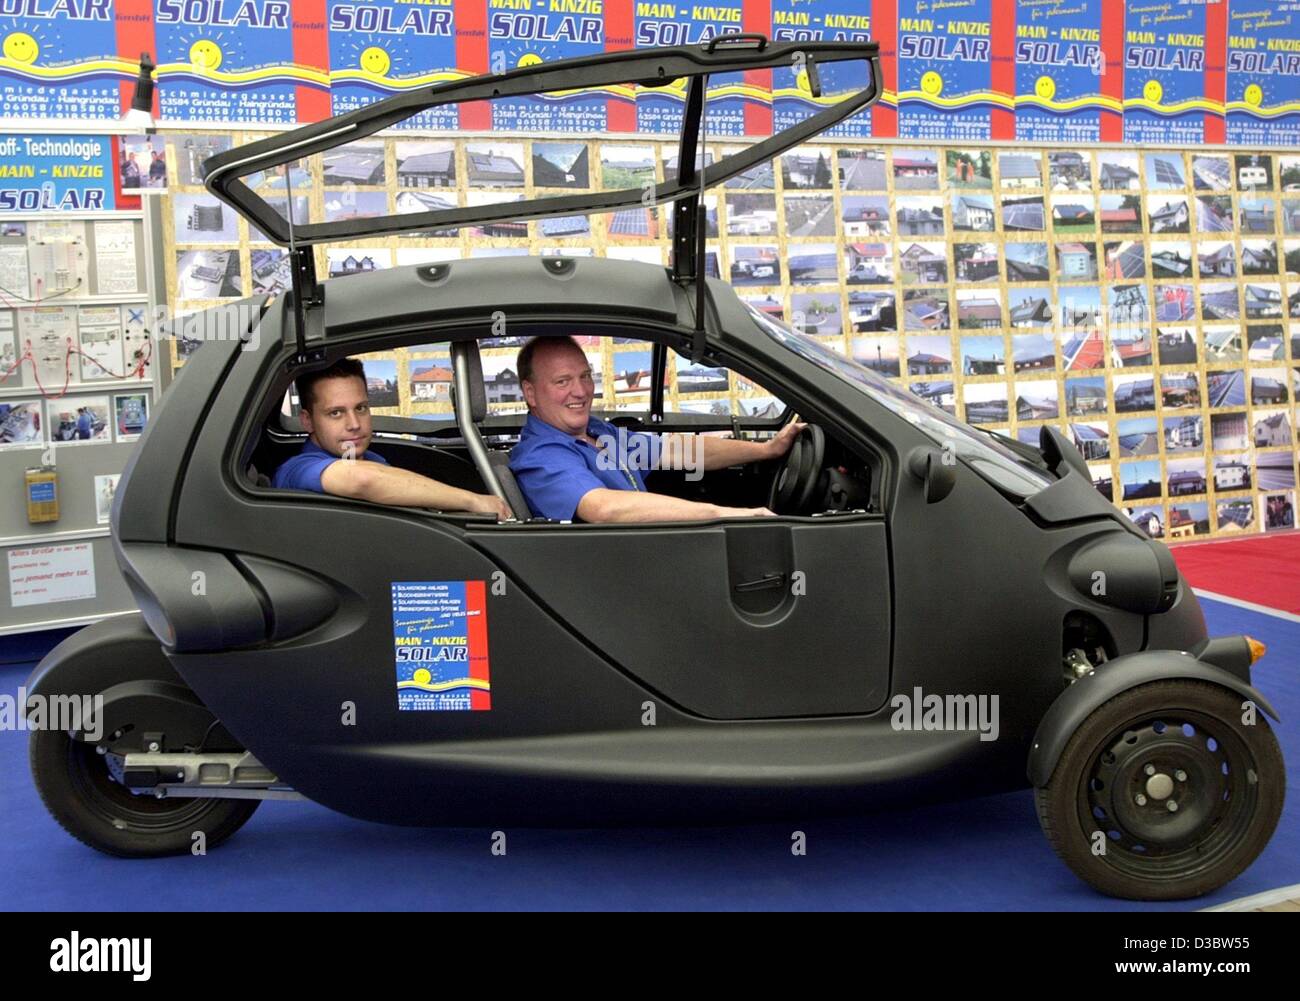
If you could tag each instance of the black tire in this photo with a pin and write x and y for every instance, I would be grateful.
(76, 787)
(1232, 789)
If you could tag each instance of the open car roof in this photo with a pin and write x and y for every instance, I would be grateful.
(827, 71)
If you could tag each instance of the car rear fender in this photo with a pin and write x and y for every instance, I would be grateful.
(1089, 693)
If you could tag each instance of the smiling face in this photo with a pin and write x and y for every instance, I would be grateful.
(205, 54)
(561, 388)
(1153, 91)
(1254, 95)
(339, 418)
(1045, 88)
(21, 48)
(375, 60)
(932, 83)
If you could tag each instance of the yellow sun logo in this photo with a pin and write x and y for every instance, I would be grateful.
(422, 676)
(1153, 92)
(1254, 95)
(1045, 87)
(375, 60)
(21, 48)
(932, 83)
(205, 55)
(529, 59)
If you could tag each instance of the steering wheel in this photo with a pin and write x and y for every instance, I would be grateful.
(796, 478)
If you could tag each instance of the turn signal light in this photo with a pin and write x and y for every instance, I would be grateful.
(1257, 649)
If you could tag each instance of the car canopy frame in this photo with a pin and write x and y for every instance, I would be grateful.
(653, 68)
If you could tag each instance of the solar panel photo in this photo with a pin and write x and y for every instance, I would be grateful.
(1026, 216)
(1132, 262)
(1167, 172)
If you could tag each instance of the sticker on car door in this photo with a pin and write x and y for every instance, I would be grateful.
(440, 645)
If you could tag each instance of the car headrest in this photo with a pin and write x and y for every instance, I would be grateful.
(468, 350)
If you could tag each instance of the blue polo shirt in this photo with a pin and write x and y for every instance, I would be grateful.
(555, 470)
(303, 471)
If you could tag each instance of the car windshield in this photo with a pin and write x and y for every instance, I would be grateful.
(994, 461)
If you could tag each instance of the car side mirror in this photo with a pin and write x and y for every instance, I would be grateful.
(939, 477)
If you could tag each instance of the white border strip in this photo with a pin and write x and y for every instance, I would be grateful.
(1259, 900)
(1277, 613)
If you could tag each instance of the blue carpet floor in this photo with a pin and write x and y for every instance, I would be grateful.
(985, 854)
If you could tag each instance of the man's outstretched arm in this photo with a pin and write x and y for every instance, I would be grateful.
(719, 453)
(381, 484)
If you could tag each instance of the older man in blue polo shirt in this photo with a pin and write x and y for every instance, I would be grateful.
(572, 466)
(335, 459)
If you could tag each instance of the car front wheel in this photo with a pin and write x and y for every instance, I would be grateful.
(1167, 791)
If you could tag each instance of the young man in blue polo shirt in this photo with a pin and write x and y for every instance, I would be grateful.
(572, 466)
(335, 458)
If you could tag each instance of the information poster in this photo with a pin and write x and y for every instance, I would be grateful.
(58, 60)
(115, 261)
(99, 330)
(829, 21)
(945, 83)
(660, 109)
(1164, 73)
(550, 30)
(384, 47)
(1264, 74)
(1059, 66)
(440, 645)
(51, 332)
(56, 173)
(39, 575)
(226, 62)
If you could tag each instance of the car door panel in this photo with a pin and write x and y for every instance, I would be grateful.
(743, 620)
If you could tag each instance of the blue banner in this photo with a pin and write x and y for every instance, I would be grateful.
(57, 173)
(383, 47)
(945, 70)
(58, 59)
(1059, 63)
(227, 61)
(1164, 73)
(828, 21)
(527, 37)
(660, 109)
(1263, 97)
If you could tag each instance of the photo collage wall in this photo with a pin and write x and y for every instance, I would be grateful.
(1145, 301)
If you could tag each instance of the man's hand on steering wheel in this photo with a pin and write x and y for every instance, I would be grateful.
(780, 445)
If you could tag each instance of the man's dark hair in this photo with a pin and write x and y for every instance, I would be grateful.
(344, 368)
(524, 363)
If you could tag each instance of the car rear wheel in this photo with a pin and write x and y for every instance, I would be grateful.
(77, 788)
(1167, 791)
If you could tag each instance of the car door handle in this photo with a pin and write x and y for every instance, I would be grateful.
(762, 583)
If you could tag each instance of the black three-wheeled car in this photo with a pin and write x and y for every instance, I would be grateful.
(425, 667)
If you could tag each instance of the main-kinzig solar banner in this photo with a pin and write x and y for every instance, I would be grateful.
(1150, 71)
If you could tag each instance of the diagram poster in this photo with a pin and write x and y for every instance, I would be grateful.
(660, 109)
(440, 645)
(229, 61)
(548, 30)
(383, 47)
(1165, 73)
(1263, 95)
(945, 69)
(59, 60)
(1059, 71)
(830, 21)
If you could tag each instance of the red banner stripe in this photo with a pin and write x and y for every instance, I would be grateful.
(477, 641)
(134, 24)
(1216, 70)
(1002, 71)
(472, 57)
(757, 17)
(311, 47)
(884, 30)
(1112, 79)
(620, 34)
